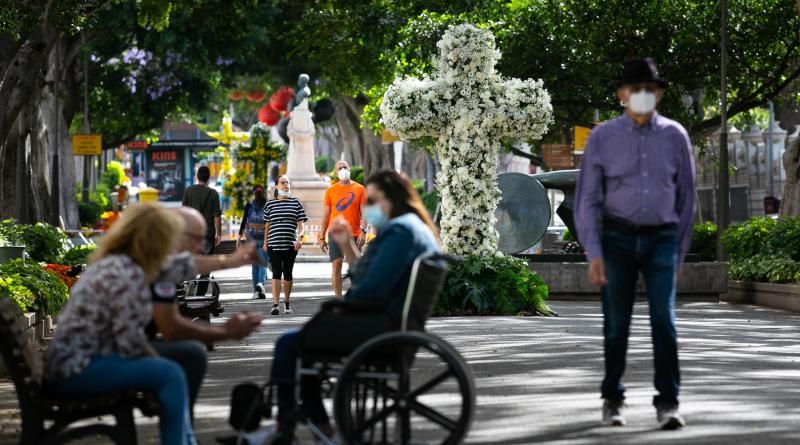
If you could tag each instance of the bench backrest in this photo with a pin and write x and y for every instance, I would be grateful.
(428, 275)
(21, 353)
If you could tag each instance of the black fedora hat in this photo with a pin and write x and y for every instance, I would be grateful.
(640, 71)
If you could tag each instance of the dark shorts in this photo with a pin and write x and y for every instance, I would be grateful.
(334, 252)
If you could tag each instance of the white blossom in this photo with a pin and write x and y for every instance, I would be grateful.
(468, 107)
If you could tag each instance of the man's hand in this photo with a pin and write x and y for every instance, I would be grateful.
(241, 325)
(362, 239)
(597, 273)
(323, 244)
(217, 240)
(245, 254)
(341, 232)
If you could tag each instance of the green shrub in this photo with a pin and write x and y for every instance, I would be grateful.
(568, 236)
(704, 241)
(78, 255)
(784, 239)
(89, 213)
(12, 287)
(431, 200)
(42, 241)
(749, 239)
(500, 285)
(765, 268)
(322, 163)
(50, 293)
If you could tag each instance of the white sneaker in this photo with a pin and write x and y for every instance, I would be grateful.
(263, 436)
(287, 309)
(669, 418)
(612, 413)
(260, 291)
(255, 296)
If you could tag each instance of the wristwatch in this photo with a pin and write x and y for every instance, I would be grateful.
(364, 230)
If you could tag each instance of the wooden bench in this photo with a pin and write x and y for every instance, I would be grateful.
(25, 363)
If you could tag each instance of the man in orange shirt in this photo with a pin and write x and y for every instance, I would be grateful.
(346, 198)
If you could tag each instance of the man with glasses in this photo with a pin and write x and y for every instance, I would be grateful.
(346, 198)
(634, 213)
(182, 340)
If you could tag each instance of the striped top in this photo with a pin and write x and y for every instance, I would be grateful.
(643, 175)
(283, 215)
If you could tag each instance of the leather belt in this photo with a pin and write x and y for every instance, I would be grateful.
(629, 228)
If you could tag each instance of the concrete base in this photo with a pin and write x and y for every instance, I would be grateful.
(311, 194)
(567, 281)
(779, 296)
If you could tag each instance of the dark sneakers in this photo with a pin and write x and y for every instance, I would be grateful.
(612, 413)
(275, 310)
(669, 418)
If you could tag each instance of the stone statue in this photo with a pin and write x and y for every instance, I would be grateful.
(303, 92)
(307, 186)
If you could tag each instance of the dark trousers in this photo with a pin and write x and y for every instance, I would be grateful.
(192, 357)
(282, 262)
(284, 366)
(655, 256)
(202, 286)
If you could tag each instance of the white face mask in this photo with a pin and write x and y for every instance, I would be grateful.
(343, 174)
(642, 102)
(283, 193)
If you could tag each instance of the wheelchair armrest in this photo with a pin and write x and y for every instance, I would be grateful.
(352, 306)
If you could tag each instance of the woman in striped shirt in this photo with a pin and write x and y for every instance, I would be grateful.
(284, 219)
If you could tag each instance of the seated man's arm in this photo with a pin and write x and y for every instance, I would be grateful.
(386, 268)
(175, 327)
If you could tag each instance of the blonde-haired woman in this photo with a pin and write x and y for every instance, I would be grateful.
(100, 344)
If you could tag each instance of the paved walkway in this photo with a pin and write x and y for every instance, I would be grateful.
(537, 378)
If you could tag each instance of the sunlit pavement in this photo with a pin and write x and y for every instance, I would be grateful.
(537, 378)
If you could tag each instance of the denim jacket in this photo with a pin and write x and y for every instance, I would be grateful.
(382, 274)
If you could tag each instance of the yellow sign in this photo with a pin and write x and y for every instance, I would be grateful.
(387, 137)
(87, 144)
(581, 137)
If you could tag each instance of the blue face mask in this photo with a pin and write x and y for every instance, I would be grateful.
(375, 216)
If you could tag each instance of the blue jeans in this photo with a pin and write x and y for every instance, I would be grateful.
(157, 374)
(260, 272)
(656, 256)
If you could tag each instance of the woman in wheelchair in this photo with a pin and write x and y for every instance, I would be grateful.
(380, 278)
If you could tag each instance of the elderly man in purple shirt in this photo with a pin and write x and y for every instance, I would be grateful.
(634, 213)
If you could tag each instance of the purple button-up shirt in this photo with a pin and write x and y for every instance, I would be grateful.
(643, 175)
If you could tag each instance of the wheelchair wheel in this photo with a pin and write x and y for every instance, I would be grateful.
(404, 387)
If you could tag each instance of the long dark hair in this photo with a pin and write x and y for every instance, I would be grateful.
(259, 196)
(399, 191)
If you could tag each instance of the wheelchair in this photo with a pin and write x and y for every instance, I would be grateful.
(199, 307)
(385, 375)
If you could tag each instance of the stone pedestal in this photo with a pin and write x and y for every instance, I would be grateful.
(307, 186)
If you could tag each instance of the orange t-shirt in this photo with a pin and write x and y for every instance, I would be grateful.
(347, 200)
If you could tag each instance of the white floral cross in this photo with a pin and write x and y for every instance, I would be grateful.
(469, 108)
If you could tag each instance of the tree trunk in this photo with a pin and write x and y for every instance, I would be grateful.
(361, 146)
(8, 173)
(791, 193)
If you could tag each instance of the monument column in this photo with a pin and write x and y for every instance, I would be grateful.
(307, 186)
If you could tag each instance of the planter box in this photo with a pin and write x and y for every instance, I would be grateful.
(697, 281)
(778, 296)
(11, 252)
(30, 320)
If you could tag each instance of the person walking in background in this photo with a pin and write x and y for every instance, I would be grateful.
(253, 222)
(285, 220)
(634, 213)
(346, 198)
(205, 200)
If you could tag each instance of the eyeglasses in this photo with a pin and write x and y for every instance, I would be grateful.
(283, 182)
